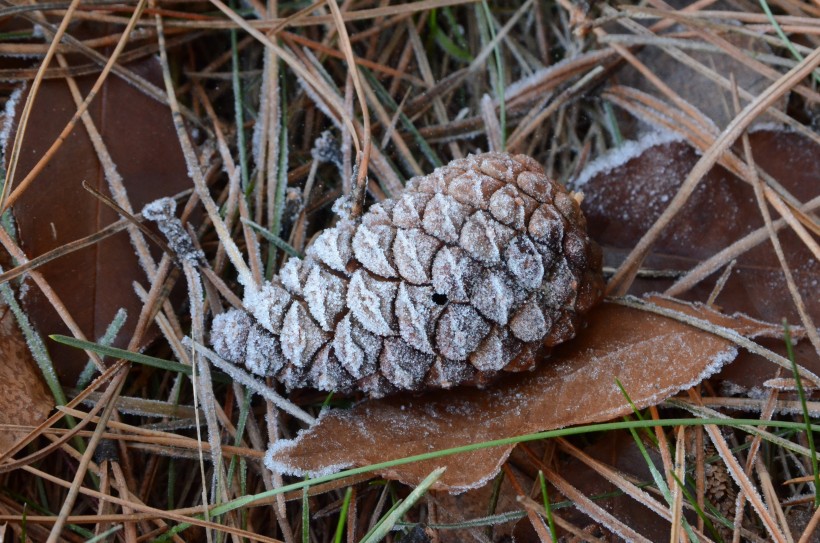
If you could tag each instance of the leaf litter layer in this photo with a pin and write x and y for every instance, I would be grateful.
(437, 80)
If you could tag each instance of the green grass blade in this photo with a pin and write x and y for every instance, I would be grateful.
(145, 360)
(276, 240)
(784, 38)
(547, 507)
(305, 516)
(390, 520)
(107, 339)
(340, 527)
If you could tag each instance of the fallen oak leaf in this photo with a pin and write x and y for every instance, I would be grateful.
(653, 357)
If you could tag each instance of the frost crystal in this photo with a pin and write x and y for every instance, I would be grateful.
(161, 211)
(469, 273)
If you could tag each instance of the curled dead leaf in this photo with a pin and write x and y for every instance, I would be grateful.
(652, 356)
(25, 400)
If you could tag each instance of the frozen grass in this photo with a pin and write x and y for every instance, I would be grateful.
(433, 80)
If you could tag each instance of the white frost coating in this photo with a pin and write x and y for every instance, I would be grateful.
(311, 92)
(490, 354)
(229, 334)
(370, 301)
(524, 262)
(413, 320)
(300, 337)
(371, 245)
(8, 120)
(346, 349)
(289, 275)
(459, 331)
(402, 365)
(242, 377)
(162, 212)
(452, 271)
(325, 296)
(267, 304)
(529, 323)
(282, 445)
(413, 252)
(493, 297)
(623, 154)
(332, 246)
(483, 236)
(443, 217)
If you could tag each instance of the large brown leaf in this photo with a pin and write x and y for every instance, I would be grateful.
(96, 281)
(653, 357)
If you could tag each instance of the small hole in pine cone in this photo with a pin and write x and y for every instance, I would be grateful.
(439, 299)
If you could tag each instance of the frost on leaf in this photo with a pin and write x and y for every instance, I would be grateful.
(460, 329)
(371, 302)
(371, 246)
(413, 251)
(402, 365)
(300, 338)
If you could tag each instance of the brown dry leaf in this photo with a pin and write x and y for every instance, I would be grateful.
(653, 357)
(96, 281)
(25, 399)
(627, 191)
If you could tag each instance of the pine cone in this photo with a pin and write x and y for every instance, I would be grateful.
(474, 270)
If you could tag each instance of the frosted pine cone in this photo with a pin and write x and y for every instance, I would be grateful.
(472, 271)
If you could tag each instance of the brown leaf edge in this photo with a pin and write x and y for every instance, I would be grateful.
(653, 356)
